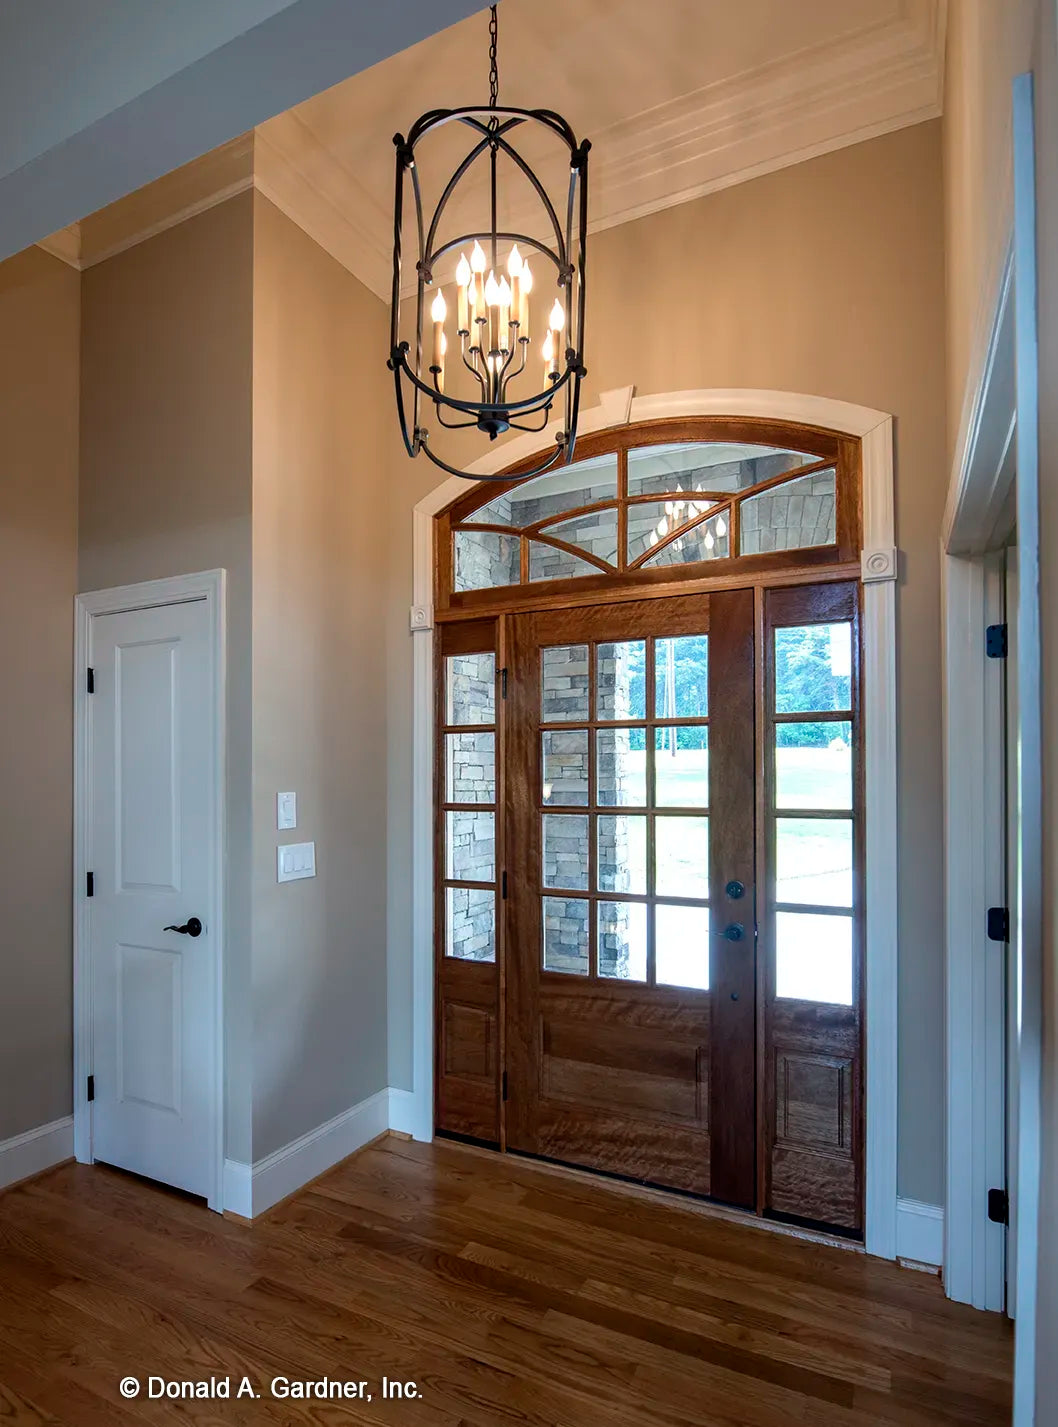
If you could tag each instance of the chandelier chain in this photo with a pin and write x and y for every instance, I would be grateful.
(494, 73)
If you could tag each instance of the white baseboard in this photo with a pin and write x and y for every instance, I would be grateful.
(402, 1111)
(919, 1232)
(250, 1190)
(238, 1188)
(36, 1150)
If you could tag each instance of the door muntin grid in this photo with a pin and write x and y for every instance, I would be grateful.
(622, 791)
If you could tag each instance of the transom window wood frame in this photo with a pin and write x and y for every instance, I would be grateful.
(631, 577)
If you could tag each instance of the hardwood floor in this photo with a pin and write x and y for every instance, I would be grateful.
(508, 1293)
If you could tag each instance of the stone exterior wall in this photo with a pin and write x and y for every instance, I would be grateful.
(794, 517)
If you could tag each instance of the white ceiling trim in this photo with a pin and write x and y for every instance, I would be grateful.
(804, 105)
(874, 81)
(304, 179)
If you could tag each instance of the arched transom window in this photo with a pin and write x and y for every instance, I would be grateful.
(668, 501)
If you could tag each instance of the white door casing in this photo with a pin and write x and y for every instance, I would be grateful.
(149, 830)
(879, 566)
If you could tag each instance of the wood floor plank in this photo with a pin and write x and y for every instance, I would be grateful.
(513, 1294)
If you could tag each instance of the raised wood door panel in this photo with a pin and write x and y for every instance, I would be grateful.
(812, 913)
(469, 840)
(615, 907)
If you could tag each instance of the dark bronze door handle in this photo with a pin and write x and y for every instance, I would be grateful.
(192, 927)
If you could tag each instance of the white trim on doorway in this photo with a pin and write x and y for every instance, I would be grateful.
(209, 586)
(875, 430)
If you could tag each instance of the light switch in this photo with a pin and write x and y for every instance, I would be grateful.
(286, 810)
(295, 860)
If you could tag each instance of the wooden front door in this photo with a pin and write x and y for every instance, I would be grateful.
(649, 952)
(630, 1025)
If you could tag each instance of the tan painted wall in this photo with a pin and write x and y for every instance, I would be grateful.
(989, 41)
(39, 358)
(319, 715)
(166, 488)
(825, 278)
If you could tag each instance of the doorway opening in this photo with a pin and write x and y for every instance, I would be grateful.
(650, 856)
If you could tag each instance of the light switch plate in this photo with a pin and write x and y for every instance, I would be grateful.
(295, 860)
(286, 810)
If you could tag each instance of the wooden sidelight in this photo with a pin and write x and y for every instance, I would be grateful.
(649, 833)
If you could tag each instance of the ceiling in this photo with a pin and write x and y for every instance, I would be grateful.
(679, 98)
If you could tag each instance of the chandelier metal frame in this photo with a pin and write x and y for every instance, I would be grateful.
(494, 410)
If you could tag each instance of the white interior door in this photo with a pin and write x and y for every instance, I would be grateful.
(151, 857)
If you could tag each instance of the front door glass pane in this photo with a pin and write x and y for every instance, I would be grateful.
(566, 935)
(681, 677)
(681, 766)
(682, 857)
(621, 767)
(565, 767)
(564, 684)
(682, 946)
(623, 940)
(620, 687)
(622, 853)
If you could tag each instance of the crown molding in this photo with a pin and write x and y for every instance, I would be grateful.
(866, 84)
(302, 177)
(65, 245)
(863, 84)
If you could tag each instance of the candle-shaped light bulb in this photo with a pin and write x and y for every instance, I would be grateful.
(709, 541)
(492, 300)
(505, 315)
(463, 276)
(557, 320)
(514, 309)
(721, 526)
(477, 292)
(438, 311)
(549, 356)
(525, 287)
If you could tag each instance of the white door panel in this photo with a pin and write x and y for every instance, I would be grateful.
(150, 854)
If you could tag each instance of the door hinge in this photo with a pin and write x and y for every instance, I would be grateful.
(999, 1206)
(91, 1091)
(91, 681)
(998, 924)
(503, 683)
(503, 886)
(996, 641)
(90, 884)
(503, 1085)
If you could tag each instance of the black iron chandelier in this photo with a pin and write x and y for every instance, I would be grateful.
(490, 378)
